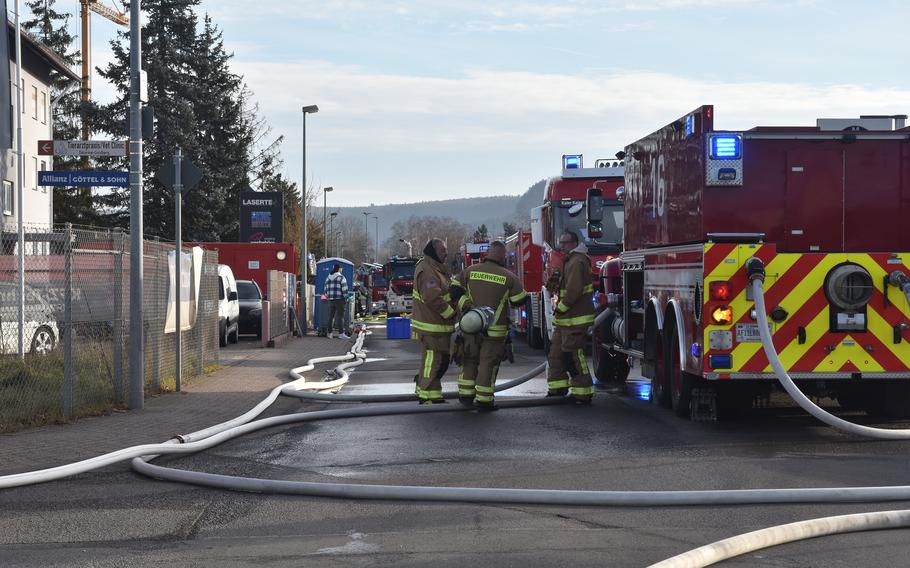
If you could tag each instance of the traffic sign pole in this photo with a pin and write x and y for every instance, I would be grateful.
(178, 258)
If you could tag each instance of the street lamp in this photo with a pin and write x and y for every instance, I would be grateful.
(410, 252)
(331, 233)
(338, 247)
(366, 234)
(303, 255)
(325, 241)
(376, 258)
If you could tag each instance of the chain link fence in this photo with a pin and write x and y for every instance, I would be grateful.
(76, 331)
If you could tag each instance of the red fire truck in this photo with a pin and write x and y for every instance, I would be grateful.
(824, 208)
(473, 253)
(399, 275)
(525, 259)
(564, 209)
(380, 286)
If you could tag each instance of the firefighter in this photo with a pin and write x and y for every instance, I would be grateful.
(433, 320)
(573, 314)
(488, 285)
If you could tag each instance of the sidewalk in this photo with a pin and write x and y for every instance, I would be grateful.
(247, 375)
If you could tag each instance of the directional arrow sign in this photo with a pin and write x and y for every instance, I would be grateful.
(189, 174)
(91, 148)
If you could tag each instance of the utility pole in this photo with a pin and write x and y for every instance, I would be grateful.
(137, 348)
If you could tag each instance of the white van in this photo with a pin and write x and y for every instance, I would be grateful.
(228, 307)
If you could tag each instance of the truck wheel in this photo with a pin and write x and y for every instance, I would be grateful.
(660, 390)
(889, 400)
(681, 382)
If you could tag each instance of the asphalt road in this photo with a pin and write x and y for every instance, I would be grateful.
(116, 518)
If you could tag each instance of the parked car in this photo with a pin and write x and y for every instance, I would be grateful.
(228, 307)
(41, 331)
(250, 297)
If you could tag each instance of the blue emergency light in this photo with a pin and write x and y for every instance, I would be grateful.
(571, 161)
(726, 147)
(690, 125)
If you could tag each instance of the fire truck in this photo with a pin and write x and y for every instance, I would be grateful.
(399, 275)
(824, 208)
(473, 253)
(525, 259)
(379, 289)
(564, 208)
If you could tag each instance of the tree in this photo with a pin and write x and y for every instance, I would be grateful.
(420, 229)
(52, 28)
(509, 229)
(481, 233)
(201, 107)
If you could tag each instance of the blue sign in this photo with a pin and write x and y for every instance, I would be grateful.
(84, 178)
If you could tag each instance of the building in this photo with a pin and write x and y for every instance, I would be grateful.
(37, 124)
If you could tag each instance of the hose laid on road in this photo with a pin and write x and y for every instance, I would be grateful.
(353, 357)
(782, 534)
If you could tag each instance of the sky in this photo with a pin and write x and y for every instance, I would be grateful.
(435, 99)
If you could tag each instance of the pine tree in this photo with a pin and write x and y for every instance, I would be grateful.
(52, 28)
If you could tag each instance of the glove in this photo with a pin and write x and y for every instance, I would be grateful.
(507, 353)
(456, 292)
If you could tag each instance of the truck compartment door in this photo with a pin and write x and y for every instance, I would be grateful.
(814, 203)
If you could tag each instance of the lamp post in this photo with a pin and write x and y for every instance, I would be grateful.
(303, 253)
(325, 241)
(410, 252)
(338, 247)
(366, 234)
(331, 233)
(376, 257)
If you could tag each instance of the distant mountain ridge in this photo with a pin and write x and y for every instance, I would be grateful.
(491, 211)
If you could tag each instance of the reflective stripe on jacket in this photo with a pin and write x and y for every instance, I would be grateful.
(433, 313)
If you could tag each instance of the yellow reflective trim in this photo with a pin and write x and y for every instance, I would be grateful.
(582, 362)
(461, 302)
(497, 332)
(557, 383)
(487, 277)
(455, 282)
(588, 289)
(447, 297)
(448, 312)
(416, 295)
(583, 391)
(428, 364)
(562, 308)
(485, 390)
(569, 322)
(519, 297)
(432, 327)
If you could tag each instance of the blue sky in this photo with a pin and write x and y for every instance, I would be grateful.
(439, 99)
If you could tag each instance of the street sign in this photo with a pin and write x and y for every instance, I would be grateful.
(189, 174)
(90, 148)
(84, 178)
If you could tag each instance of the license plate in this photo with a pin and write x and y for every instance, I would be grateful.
(748, 333)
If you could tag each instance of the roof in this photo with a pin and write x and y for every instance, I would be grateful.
(45, 53)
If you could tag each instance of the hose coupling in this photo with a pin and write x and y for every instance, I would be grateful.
(899, 279)
(755, 269)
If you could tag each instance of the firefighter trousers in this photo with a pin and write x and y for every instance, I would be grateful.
(568, 366)
(482, 356)
(434, 361)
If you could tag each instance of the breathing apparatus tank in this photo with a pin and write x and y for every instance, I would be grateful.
(477, 320)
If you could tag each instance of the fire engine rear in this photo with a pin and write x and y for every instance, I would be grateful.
(824, 208)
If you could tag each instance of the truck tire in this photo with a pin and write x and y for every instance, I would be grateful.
(660, 389)
(681, 383)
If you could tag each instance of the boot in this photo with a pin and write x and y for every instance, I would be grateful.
(579, 400)
(558, 392)
(485, 406)
(466, 400)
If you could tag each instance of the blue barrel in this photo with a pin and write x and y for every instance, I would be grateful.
(398, 328)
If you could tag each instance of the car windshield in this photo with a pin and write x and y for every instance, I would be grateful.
(403, 272)
(378, 281)
(612, 225)
(248, 291)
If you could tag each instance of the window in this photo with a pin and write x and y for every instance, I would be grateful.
(35, 102)
(35, 169)
(43, 107)
(7, 197)
(44, 169)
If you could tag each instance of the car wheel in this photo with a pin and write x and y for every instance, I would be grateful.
(43, 342)
(234, 336)
(222, 334)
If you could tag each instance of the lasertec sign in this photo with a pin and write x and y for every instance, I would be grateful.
(84, 178)
(261, 216)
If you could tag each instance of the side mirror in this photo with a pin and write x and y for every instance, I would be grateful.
(232, 295)
(537, 223)
(595, 205)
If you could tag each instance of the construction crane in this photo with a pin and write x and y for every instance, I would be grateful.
(118, 17)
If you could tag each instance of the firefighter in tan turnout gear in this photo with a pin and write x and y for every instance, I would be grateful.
(433, 320)
(489, 287)
(573, 315)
